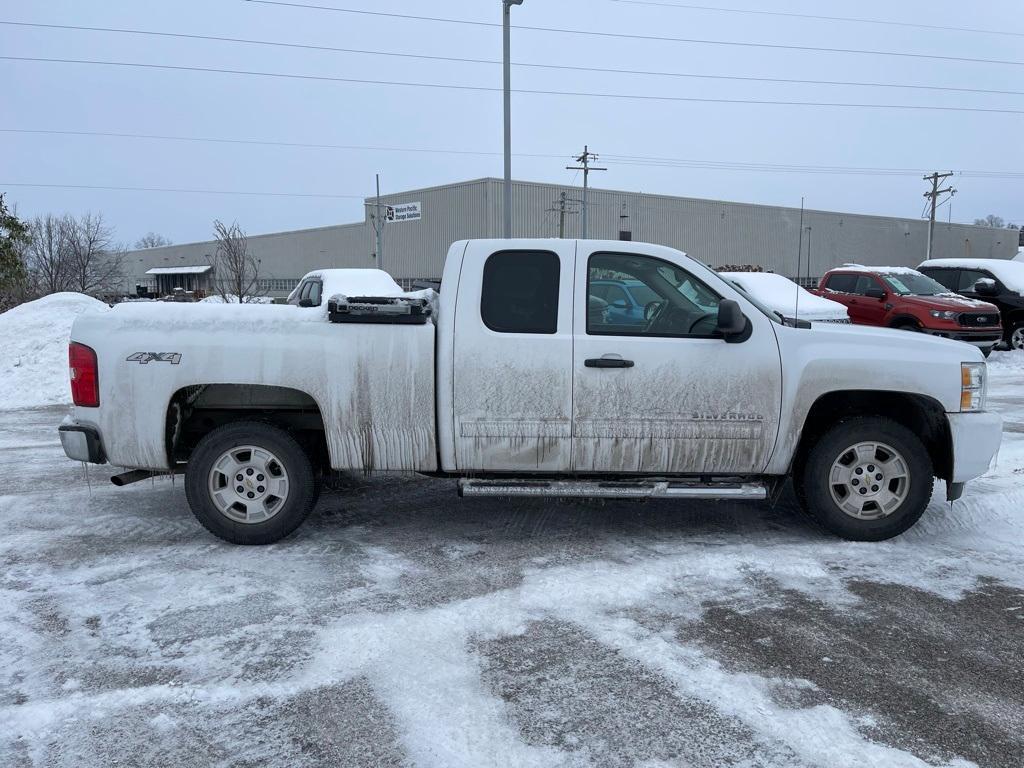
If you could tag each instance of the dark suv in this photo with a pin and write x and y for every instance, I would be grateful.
(993, 280)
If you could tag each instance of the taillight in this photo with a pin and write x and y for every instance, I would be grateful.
(85, 379)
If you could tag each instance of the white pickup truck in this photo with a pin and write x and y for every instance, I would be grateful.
(528, 380)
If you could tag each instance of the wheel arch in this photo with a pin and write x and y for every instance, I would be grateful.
(905, 319)
(921, 414)
(195, 410)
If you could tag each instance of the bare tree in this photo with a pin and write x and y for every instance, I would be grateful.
(151, 240)
(96, 261)
(47, 255)
(237, 270)
(991, 221)
(69, 254)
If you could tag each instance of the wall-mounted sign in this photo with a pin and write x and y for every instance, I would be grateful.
(404, 212)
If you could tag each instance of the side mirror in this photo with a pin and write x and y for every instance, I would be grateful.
(986, 286)
(620, 304)
(731, 321)
(875, 293)
(306, 302)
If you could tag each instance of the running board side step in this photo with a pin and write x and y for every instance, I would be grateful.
(611, 489)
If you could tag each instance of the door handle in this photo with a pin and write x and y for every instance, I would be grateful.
(607, 362)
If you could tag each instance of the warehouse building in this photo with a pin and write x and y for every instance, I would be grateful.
(422, 223)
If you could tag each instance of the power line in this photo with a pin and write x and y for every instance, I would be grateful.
(536, 92)
(886, 22)
(650, 38)
(633, 160)
(265, 143)
(175, 190)
(524, 65)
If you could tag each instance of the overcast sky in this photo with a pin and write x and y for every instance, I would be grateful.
(108, 99)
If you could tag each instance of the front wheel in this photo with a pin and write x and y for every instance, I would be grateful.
(250, 483)
(1017, 336)
(867, 479)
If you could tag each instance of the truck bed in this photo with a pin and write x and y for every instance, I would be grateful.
(373, 384)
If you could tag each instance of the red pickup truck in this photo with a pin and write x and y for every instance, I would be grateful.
(898, 297)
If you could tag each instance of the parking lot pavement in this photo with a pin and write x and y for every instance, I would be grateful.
(405, 626)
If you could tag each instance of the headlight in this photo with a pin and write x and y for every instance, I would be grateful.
(973, 386)
(944, 315)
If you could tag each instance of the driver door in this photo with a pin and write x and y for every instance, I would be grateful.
(669, 396)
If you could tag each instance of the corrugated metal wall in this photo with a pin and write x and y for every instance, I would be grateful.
(713, 231)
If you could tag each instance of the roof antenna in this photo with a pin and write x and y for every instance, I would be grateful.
(799, 256)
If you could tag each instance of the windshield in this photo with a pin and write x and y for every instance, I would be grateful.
(914, 284)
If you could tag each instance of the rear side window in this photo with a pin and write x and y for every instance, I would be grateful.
(841, 283)
(520, 292)
(948, 277)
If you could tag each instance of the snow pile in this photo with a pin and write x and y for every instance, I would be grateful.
(34, 366)
(780, 294)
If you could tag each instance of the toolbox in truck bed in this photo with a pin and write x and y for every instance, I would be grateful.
(396, 310)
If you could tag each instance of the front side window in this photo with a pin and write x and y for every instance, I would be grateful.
(865, 284)
(678, 304)
(968, 277)
(315, 288)
(519, 293)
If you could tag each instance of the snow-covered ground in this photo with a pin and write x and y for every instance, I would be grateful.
(404, 626)
(34, 339)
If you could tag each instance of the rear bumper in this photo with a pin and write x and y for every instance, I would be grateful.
(976, 438)
(81, 443)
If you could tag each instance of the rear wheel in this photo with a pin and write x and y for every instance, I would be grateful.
(250, 483)
(867, 479)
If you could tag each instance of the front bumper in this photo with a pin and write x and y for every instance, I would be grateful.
(981, 339)
(81, 443)
(976, 438)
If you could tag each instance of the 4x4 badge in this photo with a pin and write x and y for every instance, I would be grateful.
(155, 357)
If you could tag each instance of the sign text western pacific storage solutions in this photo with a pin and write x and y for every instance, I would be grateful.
(404, 212)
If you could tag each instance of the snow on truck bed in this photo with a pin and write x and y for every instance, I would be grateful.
(34, 365)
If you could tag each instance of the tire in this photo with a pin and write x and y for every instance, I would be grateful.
(1016, 338)
(853, 454)
(278, 487)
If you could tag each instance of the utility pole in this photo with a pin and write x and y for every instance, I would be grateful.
(561, 207)
(378, 219)
(586, 167)
(933, 198)
(506, 24)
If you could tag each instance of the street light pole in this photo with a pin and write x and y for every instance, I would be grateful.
(507, 34)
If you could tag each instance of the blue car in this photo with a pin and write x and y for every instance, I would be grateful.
(627, 300)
